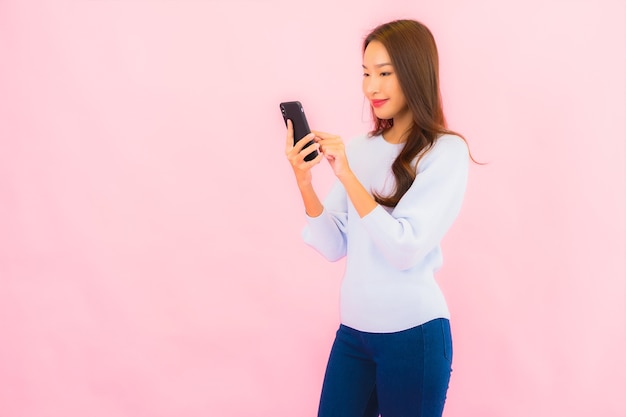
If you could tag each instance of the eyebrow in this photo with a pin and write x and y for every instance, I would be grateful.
(379, 65)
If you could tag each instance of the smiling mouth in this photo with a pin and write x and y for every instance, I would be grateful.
(378, 103)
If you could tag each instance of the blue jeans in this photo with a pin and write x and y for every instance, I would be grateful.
(400, 374)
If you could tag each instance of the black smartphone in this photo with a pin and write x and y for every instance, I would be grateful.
(292, 110)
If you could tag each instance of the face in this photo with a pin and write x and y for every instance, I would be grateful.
(381, 85)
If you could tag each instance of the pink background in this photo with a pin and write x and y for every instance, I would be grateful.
(150, 257)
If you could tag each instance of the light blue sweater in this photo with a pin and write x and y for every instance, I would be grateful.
(392, 254)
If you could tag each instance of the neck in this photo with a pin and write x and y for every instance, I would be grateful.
(400, 129)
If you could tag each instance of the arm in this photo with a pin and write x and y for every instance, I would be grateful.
(332, 147)
(325, 230)
(423, 215)
(427, 210)
(302, 170)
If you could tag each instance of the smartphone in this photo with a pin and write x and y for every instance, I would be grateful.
(292, 110)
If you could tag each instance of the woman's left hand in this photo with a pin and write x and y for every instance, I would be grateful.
(334, 150)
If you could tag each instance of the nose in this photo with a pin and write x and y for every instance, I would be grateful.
(371, 85)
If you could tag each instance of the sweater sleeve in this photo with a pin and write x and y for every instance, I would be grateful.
(326, 233)
(427, 210)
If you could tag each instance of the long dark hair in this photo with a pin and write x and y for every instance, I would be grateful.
(413, 53)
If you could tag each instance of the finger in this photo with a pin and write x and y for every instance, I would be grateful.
(331, 147)
(330, 143)
(289, 143)
(303, 165)
(302, 143)
(324, 135)
(317, 159)
(309, 150)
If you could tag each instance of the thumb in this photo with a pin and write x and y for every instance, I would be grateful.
(289, 138)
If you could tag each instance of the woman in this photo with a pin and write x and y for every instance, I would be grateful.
(399, 189)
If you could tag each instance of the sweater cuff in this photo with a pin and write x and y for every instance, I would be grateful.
(316, 219)
(379, 224)
(374, 214)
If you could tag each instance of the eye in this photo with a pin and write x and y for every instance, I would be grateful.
(385, 74)
(365, 74)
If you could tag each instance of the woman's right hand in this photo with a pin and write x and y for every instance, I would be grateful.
(296, 154)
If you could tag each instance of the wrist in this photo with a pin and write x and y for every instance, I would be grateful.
(304, 184)
(303, 179)
(346, 177)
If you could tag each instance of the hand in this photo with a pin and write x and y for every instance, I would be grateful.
(334, 150)
(295, 154)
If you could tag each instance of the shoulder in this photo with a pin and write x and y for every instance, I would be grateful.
(450, 143)
(447, 149)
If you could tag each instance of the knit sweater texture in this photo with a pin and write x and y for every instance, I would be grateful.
(392, 254)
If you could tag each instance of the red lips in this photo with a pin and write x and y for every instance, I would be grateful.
(378, 103)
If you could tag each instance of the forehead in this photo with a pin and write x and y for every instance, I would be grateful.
(375, 54)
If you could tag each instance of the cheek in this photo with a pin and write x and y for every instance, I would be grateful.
(398, 92)
(395, 87)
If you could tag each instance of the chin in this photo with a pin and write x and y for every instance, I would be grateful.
(384, 115)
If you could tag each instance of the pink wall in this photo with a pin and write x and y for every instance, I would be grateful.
(150, 258)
